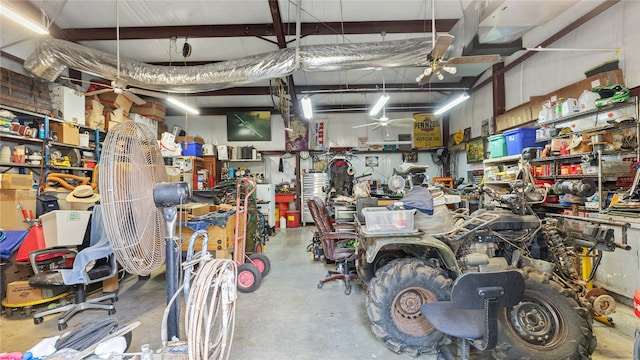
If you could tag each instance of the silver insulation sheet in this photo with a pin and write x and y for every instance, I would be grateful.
(53, 56)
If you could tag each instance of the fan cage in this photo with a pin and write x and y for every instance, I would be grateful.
(130, 165)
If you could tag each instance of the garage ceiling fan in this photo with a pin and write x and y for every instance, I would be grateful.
(383, 120)
(437, 65)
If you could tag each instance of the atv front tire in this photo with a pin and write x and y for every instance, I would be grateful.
(393, 305)
(548, 324)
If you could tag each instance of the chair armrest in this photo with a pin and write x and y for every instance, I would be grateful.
(340, 236)
(345, 226)
(33, 255)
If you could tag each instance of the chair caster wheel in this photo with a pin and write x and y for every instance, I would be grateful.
(112, 311)
(38, 320)
(62, 327)
(347, 291)
(320, 285)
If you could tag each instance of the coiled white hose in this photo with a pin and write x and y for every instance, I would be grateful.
(210, 303)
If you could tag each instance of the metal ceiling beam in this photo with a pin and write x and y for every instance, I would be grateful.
(278, 27)
(310, 89)
(553, 38)
(347, 108)
(257, 30)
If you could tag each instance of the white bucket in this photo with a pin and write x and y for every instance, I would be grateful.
(84, 139)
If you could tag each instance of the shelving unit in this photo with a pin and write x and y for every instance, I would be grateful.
(501, 162)
(596, 158)
(251, 164)
(47, 144)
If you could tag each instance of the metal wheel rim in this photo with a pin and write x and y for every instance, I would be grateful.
(538, 323)
(246, 279)
(406, 313)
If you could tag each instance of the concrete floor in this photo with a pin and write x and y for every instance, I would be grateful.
(286, 318)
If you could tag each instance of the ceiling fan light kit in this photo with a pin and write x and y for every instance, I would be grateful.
(24, 21)
(382, 101)
(452, 104)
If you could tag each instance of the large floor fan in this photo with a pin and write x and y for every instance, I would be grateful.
(140, 211)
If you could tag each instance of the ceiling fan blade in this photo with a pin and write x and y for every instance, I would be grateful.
(442, 45)
(98, 92)
(425, 79)
(474, 59)
(376, 127)
(404, 122)
(411, 120)
(364, 125)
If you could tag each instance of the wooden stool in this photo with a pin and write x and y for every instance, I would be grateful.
(446, 182)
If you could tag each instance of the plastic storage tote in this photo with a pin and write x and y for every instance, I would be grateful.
(497, 146)
(379, 220)
(518, 139)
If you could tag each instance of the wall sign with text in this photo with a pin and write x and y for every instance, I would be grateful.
(427, 131)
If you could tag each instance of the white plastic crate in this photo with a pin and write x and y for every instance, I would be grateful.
(64, 227)
(380, 220)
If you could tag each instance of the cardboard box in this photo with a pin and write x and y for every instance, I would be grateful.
(113, 117)
(68, 104)
(188, 139)
(575, 90)
(148, 122)
(10, 216)
(16, 181)
(193, 209)
(67, 133)
(94, 113)
(514, 117)
(116, 101)
(153, 109)
(20, 292)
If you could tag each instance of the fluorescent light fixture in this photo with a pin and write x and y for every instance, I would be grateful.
(183, 106)
(454, 102)
(30, 24)
(307, 110)
(379, 105)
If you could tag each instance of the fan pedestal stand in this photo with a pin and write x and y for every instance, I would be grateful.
(168, 196)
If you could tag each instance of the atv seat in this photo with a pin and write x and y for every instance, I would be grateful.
(472, 312)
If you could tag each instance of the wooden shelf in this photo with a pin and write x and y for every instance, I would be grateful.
(503, 159)
(20, 138)
(25, 165)
(586, 113)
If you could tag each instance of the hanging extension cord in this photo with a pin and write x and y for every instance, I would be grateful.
(210, 303)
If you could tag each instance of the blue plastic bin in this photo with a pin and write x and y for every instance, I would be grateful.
(497, 146)
(518, 139)
(191, 149)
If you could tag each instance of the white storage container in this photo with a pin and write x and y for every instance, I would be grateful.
(64, 227)
(379, 220)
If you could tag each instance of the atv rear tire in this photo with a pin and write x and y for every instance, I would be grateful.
(393, 305)
(548, 324)
(367, 271)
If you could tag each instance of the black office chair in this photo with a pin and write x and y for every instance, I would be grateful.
(472, 313)
(95, 248)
